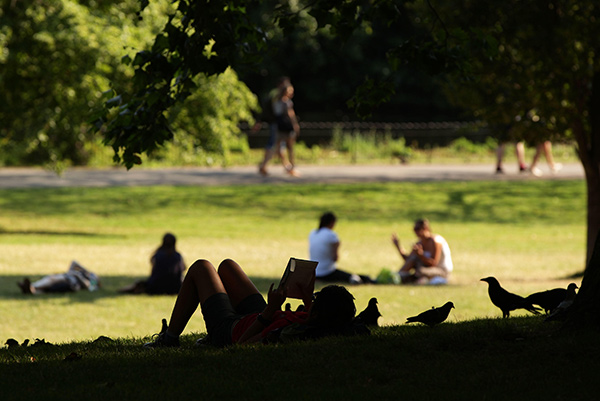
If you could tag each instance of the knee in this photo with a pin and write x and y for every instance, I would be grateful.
(227, 266)
(200, 265)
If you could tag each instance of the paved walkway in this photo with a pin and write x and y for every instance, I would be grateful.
(83, 177)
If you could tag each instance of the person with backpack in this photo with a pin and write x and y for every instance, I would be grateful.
(268, 116)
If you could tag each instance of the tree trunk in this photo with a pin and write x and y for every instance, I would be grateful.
(586, 308)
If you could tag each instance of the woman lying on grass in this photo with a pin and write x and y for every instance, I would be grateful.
(235, 312)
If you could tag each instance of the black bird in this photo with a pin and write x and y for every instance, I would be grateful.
(370, 315)
(549, 300)
(432, 316)
(560, 312)
(507, 301)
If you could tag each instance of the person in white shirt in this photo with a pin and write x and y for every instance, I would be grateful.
(430, 261)
(324, 246)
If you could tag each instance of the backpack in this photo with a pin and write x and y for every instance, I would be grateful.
(266, 105)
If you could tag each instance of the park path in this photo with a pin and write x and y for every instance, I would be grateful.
(201, 176)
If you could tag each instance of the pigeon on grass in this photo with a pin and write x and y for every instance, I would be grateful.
(560, 312)
(550, 299)
(370, 315)
(433, 316)
(507, 301)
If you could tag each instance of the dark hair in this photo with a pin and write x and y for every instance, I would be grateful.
(168, 243)
(282, 80)
(333, 306)
(422, 223)
(327, 219)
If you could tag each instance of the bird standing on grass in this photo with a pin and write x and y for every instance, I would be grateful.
(507, 301)
(369, 316)
(432, 316)
(550, 299)
(560, 312)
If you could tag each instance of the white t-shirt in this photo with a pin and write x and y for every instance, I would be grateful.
(321, 249)
(446, 258)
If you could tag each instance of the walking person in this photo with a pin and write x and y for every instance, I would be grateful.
(288, 128)
(268, 116)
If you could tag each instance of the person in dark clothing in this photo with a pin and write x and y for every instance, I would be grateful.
(167, 271)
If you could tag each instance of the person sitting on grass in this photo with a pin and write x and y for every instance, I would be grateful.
(167, 271)
(323, 247)
(235, 312)
(75, 279)
(429, 262)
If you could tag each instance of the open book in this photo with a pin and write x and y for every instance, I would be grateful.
(298, 274)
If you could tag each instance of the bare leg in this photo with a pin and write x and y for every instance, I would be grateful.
(289, 143)
(549, 158)
(520, 152)
(237, 284)
(499, 156)
(431, 272)
(200, 283)
(262, 168)
(536, 157)
(280, 153)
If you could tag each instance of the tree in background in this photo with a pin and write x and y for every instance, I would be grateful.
(58, 57)
(207, 37)
(536, 66)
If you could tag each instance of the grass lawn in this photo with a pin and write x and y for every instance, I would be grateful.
(530, 235)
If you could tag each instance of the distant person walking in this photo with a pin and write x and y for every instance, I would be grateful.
(519, 151)
(545, 148)
(268, 116)
(167, 271)
(503, 133)
(288, 128)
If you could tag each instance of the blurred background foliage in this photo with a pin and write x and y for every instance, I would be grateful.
(59, 59)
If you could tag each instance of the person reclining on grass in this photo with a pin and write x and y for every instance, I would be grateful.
(235, 312)
(75, 279)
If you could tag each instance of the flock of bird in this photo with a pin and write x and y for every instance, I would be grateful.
(553, 302)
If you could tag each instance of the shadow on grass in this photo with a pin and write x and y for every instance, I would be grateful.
(4, 231)
(488, 201)
(110, 285)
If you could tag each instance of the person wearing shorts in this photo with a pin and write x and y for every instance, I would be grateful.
(235, 312)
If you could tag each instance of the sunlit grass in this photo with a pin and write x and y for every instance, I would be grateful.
(530, 235)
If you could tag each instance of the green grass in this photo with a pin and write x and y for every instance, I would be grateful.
(492, 359)
(530, 235)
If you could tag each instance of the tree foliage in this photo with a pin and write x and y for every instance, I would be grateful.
(206, 37)
(538, 72)
(56, 58)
